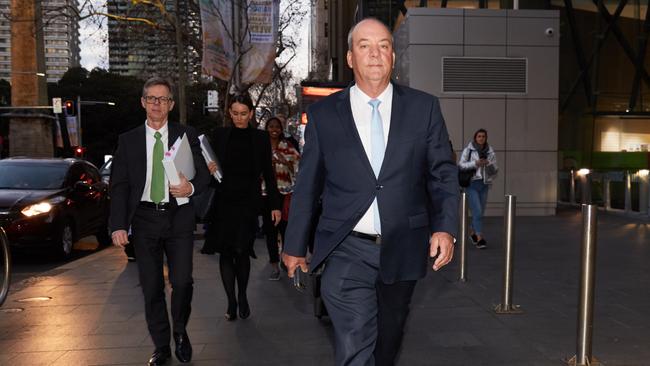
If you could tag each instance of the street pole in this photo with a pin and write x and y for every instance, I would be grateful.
(182, 73)
(79, 119)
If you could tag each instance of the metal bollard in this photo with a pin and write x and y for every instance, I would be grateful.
(628, 192)
(583, 356)
(506, 306)
(572, 187)
(607, 198)
(463, 237)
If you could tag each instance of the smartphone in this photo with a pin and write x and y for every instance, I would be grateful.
(299, 279)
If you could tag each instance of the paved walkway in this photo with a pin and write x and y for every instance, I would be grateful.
(95, 314)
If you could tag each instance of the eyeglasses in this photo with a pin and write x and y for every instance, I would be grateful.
(150, 99)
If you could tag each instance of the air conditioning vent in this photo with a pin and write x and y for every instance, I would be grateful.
(484, 75)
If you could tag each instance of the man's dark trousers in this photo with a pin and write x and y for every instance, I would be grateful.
(368, 315)
(156, 234)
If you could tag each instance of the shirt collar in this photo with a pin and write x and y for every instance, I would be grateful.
(383, 97)
(151, 131)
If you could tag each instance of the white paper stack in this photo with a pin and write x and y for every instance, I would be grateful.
(177, 160)
(209, 155)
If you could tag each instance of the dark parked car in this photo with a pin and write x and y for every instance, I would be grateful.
(52, 203)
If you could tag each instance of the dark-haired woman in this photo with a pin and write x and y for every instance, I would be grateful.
(480, 156)
(244, 154)
(285, 166)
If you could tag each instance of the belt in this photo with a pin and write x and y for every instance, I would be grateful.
(162, 206)
(372, 237)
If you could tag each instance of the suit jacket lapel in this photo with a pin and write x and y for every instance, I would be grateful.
(140, 171)
(344, 109)
(394, 130)
(173, 133)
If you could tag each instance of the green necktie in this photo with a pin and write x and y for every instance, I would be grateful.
(157, 171)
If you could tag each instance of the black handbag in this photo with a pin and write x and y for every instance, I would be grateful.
(203, 203)
(465, 176)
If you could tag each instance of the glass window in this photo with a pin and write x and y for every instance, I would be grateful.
(31, 176)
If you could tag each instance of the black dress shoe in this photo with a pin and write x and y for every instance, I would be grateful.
(183, 347)
(160, 356)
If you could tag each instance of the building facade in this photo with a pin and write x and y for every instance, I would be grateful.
(60, 32)
(146, 48)
(497, 70)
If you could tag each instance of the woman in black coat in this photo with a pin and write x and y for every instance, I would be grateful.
(244, 155)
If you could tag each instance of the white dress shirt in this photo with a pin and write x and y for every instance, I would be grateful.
(151, 140)
(362, 114)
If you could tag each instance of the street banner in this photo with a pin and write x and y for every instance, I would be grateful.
(73, 131)
(218, 51)
(257, 62)
(59, 137)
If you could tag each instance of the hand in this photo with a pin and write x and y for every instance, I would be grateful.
(482, 162)
(280, 159)
(120, 238)
(184, 189)
(293, 263)
(212, 167)
(442, 245)
(276, 216)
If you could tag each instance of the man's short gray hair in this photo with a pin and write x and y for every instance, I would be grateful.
(156, 80)
(369, 18)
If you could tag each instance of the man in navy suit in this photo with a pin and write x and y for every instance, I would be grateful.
(377, 155)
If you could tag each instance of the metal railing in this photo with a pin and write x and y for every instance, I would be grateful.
(5, 266)
(622, 191)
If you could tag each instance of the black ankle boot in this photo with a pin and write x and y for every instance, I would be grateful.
(244, 308)
(231, 313)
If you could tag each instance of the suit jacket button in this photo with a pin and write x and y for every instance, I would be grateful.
(379, 186)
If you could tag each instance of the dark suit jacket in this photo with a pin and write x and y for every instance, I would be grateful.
(129, 174)
(417, 188)
(263, 165)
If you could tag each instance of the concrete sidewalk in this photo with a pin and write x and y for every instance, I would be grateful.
(95, 315)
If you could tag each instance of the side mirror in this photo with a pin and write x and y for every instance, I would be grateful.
(82, 186)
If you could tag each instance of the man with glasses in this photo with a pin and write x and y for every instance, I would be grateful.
(143, 200)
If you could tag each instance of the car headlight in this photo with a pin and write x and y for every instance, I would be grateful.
(41, 207)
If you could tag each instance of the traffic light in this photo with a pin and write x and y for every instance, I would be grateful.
(79, 151)
(69, 108)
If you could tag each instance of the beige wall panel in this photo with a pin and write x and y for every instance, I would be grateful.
(532, 176)
(452, 111)
(531, 124)
(489, 114)
(426, 66)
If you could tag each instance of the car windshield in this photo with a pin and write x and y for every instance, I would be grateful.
(32, 176)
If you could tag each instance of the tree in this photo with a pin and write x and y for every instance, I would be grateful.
(292, 16)
(102, 123)
(278, 94)
(144, 18)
